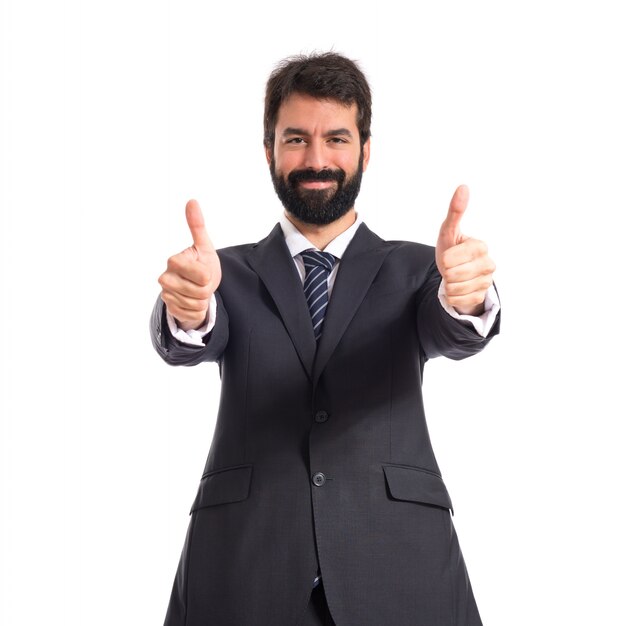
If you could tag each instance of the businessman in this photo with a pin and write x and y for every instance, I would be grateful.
(321, 501)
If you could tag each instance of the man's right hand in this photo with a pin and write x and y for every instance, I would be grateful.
(192, 276)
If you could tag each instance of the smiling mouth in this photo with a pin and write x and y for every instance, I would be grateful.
(317, 184)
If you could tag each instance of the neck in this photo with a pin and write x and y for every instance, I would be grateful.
(320, 235)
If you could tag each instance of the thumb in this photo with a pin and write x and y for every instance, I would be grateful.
(458, 204)
(195, 221)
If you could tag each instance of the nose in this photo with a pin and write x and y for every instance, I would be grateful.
(315, 157)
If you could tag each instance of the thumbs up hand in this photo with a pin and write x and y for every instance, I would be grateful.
(192, 276)
(463, 262)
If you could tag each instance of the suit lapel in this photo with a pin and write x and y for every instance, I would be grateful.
(359, 265)
(271, 260)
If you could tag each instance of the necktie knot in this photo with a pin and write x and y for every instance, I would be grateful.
(317, 258)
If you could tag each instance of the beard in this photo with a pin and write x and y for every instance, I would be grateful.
(317, 206)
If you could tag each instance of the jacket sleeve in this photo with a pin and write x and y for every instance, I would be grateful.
(175, 352)
(439, 333)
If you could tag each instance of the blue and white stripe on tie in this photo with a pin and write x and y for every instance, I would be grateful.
(318, 266)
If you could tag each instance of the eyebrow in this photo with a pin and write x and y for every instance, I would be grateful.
(331, 133)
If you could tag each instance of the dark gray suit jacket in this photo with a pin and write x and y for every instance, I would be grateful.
(322, 457)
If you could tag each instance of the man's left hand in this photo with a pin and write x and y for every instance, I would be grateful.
(463, 262)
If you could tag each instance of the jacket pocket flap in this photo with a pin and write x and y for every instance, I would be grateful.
(416, 485)
(230, 484)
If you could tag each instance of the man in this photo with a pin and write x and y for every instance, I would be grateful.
(321, 500)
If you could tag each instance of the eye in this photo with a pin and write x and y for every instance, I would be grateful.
(338, 140)
(295, 140)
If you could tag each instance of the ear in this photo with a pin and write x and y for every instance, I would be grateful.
(366, 153)
(268, 154)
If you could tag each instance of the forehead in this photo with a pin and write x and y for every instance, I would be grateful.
(311, 114)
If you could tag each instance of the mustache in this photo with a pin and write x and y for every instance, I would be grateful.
(300, 176)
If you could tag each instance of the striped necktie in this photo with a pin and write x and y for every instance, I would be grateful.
(318, 266)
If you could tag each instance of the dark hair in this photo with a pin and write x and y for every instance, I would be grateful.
(326, 75)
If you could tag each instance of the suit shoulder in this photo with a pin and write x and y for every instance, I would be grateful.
(240, 251)
(401, 243)
(237, 250)
(410, 251)
(234, 254)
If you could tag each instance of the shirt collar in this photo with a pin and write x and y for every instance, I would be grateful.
(297, 242)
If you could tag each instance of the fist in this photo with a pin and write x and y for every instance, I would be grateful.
(192, 276)
(463, 262)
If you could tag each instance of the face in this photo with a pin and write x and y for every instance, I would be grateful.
(317, 160)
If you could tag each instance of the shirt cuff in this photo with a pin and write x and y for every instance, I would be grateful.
(482, 323)
(194, 337)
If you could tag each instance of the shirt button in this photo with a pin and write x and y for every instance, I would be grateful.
(321, 416)
(319, 479)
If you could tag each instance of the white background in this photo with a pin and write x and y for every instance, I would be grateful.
(115, 114)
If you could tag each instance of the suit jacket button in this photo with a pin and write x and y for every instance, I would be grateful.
(319, 479)
(321, 416)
